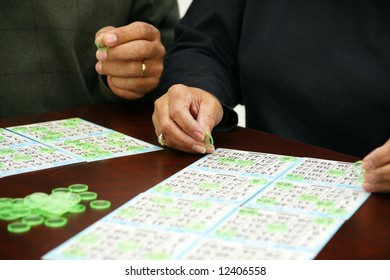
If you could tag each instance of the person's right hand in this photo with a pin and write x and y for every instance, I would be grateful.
(132, 58)
(377, 169)
(183, 115)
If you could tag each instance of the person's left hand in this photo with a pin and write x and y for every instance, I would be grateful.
(183, 115)
(133, 61)
(377, 169)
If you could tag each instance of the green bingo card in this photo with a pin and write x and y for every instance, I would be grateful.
(231, 204)
(49, 144)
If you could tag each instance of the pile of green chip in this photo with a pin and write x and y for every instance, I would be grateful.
(48, 209)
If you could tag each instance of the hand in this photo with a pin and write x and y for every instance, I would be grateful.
(377, 167)
(133, 61)
(183, 115)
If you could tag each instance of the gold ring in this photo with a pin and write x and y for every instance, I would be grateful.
(143, 69)
(161, 140)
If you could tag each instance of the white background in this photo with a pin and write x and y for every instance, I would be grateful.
(183, 6)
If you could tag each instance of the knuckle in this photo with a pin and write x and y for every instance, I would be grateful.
(145, 30)
(142, 49)
(176, 110)
(140, 26)
(176, 88)
(121, 33)
(159, 68)
(158, 103)
(161, 51)
(157, 106)
(166, 127)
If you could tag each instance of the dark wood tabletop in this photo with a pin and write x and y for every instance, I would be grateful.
(366, 235)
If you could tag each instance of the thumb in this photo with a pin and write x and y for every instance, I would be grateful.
(210, 114)
(378, 157)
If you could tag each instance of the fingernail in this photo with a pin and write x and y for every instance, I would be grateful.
(369, 178)
(199, 149)
(99, 67)
(369, 187)
(367, 164)
(110, 38)
(101, 55)
(210, 150)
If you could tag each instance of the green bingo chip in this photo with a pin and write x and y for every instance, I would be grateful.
(8, 216)
(65, 199)
(76, 209)
(5, 201)
(357, 168)
(208, 140)
(5, 209)
(100, 204)
(101, 46)
(88, 196)
(48, 209)
(18, 201)
(78, 188)
(18, 227)
(33, 220)
(56, 222)
(65, 190)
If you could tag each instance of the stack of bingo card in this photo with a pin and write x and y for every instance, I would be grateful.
(50, 144)
(231, 204)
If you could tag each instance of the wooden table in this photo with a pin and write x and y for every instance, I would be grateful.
(365, 236)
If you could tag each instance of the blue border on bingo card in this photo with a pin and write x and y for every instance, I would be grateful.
(243, 171)
(57, 252)
(17, 129)
(303, 254)
(146, 147)
(22, 141)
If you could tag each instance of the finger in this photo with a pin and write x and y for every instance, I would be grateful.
(379, 157)
(375, 177)
(134, 50)
(124, 93)
(378, 187)
(174, 137)
(206, 109)
(177, 139)
(102, 31)
(131, 32)
(135, 88)
(142, 84)
(210, 114)
(183, 110)
(130, 68)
